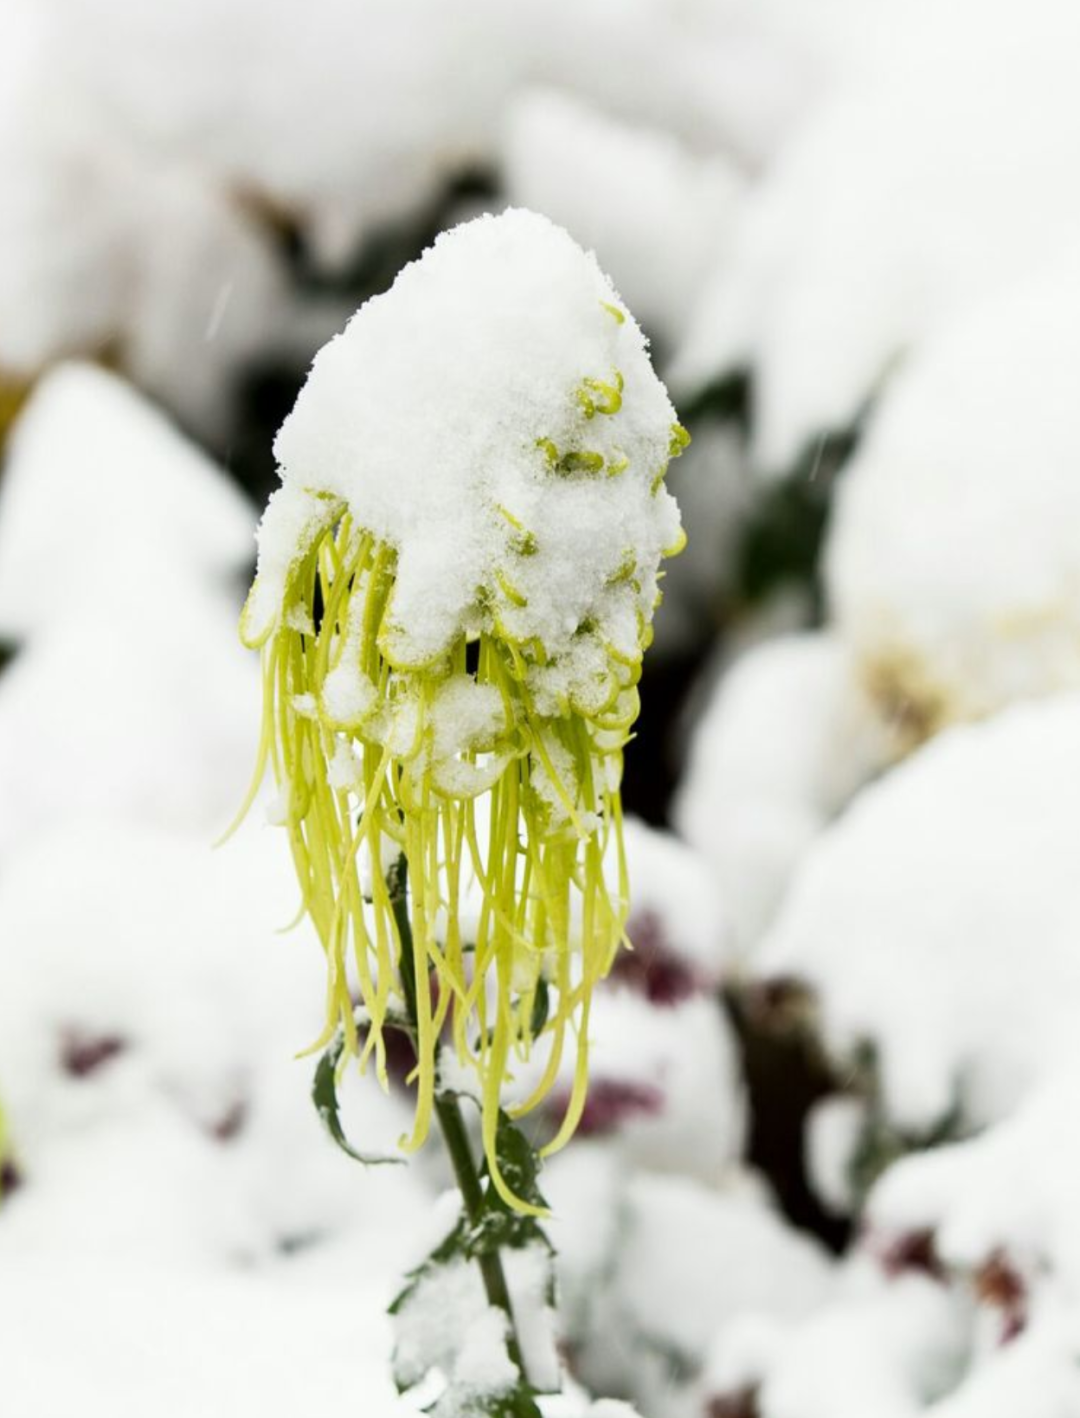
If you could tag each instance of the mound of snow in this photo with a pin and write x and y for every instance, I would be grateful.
(925, 182)
(99, 495)
(873, 1347)
(653, 1269)
(932, 919)
(953, 561)
(150, 1012)
(1006, 1198)
(786, 739)
(654, 211)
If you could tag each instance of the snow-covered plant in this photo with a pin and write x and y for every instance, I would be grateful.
(455, 588)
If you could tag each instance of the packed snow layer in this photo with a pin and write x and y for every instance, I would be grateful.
(204, 297)
(383, 98)
(145, 715)
(446, 1322)
(542, 419)
(786, 739)
(692, 1262)
(899, 1347)
(172, 1165)
(708, 1254)
(574, 1402)
(1037, 1375)
(143, 201)
(953, 561)
(131, 1339)
(157, 940)
(919, 186)
(831, 40)
(130, 694)
(873, 1347)
(655, 212)
(718, 85)
(58, 226)
(110, 248)
(99, 497)
(834, 1132)
(387, 99)
(133, 696)
(652, 1269)
(903, 1347)
(1008, 1195)
(146, 181)
(934, 919)
(676, 906)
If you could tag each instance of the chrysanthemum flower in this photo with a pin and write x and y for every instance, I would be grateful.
(455, 587)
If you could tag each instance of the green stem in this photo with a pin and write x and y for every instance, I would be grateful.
(452, 1125)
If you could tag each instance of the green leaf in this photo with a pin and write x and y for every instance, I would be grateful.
(541, 1004)
(518, 1403)
(324, 1096)
(519, 1164)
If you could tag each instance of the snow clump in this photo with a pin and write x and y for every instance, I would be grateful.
(787, 738)
(926, 181)
(934, 919)
(512, 457)
(953, 563)
(657, 234)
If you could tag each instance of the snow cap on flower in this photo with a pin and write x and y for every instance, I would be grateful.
(455, 589)
(494, 418)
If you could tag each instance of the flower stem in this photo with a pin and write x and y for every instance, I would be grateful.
(452, 1125)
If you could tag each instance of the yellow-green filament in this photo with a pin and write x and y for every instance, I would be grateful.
(533, 842)
(509, 590)
(525, 543)
(580, 462)
(549, 450)
(602, 398)
(680, 440)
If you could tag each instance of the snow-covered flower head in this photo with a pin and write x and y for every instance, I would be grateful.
(455, 588)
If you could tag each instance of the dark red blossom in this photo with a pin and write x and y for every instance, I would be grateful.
(231, 1122)
(653, 967)
(11, 1179)
(910, 1251)
(1000, 1285)
(741, 1403)
(610, 1103)
(82, 1053)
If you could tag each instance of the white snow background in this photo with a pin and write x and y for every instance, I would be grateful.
(864, 215)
